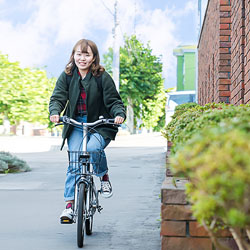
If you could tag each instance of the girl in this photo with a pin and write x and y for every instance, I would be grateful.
(85, 91)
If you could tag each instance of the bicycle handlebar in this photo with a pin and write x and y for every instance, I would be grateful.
(68, 120)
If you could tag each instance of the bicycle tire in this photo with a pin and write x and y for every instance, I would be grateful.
(80, 215)
(91, 211)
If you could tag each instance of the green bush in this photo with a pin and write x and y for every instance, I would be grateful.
(211, 148)
(216, 162)
(185, 116)
(179, 122)
(12, 164)
(234, 115)
(180, 109)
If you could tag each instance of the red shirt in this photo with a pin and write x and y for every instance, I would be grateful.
(81, 103)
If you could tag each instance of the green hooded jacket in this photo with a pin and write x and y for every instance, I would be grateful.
(107, 104)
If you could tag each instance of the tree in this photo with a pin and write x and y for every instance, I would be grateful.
(24, 93)
(141, 82)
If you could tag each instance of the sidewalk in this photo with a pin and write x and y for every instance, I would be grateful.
(24, 144)
(33, 201)
(29, 144)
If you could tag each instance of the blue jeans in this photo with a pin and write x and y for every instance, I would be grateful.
(96, 143)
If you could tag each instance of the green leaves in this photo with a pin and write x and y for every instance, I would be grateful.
(141, 80)
(188, 121)
(24, 93)
(211, 149)
(217, 164)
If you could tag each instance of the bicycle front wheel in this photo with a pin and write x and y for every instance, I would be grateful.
(81, 214)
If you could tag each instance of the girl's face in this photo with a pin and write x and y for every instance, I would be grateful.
(83, 60)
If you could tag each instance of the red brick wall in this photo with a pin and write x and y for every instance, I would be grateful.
(208, 56)
(224, 53)
(247, 53)
(179, 229)
(237, 50)
(214, 67)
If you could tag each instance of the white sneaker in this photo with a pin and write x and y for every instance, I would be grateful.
(106, 189)
(67, 216)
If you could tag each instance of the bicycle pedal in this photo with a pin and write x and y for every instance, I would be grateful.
(99, 208)
(66, 221)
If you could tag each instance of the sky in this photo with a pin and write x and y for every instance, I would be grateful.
(42, 33)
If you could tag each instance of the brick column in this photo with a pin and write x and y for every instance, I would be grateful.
(247, 53)
(238, 51)
(225, 53)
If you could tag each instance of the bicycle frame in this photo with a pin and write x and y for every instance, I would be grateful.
(86, 177)
(87, 203)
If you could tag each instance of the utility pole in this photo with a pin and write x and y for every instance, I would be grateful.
(135, 19)
(116, 50)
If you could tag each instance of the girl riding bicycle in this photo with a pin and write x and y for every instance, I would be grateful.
(86, 91)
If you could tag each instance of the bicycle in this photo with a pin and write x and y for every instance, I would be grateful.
(86, 195)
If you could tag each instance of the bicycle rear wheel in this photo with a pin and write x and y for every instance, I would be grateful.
(81, 214)
(91, 210)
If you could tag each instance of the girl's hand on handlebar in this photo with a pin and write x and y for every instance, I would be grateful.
(119, 120)
(54, 118)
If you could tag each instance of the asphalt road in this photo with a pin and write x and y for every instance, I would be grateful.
(31, 203)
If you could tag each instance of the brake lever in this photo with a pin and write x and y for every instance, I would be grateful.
(58, 124)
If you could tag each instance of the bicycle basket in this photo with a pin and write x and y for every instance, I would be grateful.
(81, 162)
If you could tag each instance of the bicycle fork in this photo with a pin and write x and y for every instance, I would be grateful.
(94, 202)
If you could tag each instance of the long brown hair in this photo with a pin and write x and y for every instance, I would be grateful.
(95, 67)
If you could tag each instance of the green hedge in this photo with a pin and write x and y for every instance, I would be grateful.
(211, 147)
(226, 116)
(183, 115)
(12, 164)
(180, 109)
